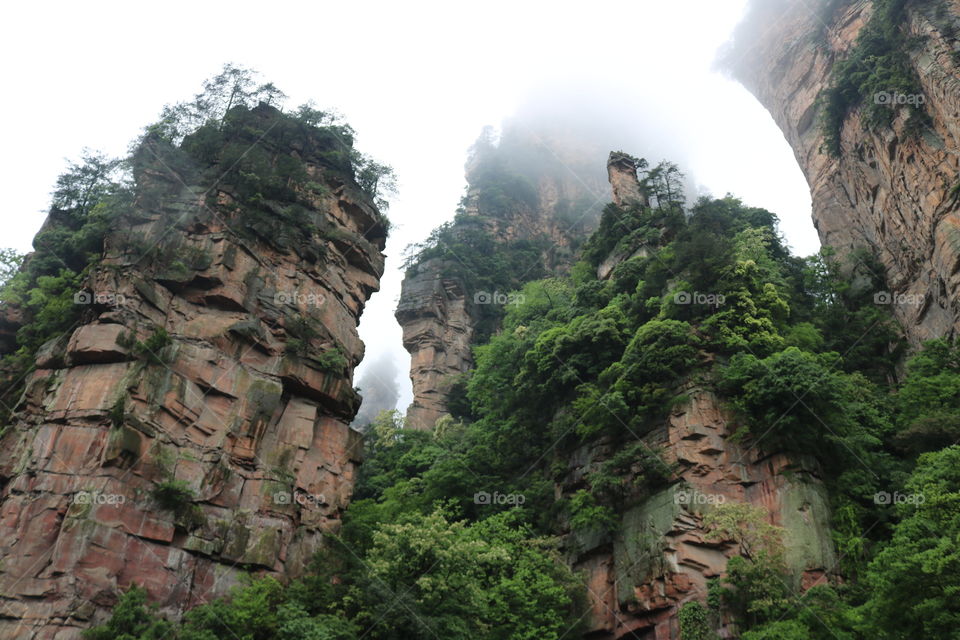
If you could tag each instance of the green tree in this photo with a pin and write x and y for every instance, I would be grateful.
(914, 581)
(487, 580)
(755, 587)
(132, 619)
(10, 262)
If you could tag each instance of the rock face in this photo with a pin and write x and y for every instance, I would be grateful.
(438, 311)
(185, 376)
(622, 175)
(435, 313)
(657, 558)
(888, 191)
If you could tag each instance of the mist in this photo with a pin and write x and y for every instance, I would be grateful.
(592, 115)
(419, 83)
(380, 387)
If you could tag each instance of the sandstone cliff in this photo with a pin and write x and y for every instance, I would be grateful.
(891, 190)
(195, 425)
(435, 314)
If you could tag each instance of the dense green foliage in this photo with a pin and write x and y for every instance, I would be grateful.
(435, 576)
(87, 199)
(914, 591)
(467, 250)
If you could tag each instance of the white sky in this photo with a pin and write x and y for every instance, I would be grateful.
(416, 80)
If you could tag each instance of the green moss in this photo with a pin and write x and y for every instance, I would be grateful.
(177, 497)
(264, 550)
(164, 458)
(117, 411)
(123, 442)
(237, 539)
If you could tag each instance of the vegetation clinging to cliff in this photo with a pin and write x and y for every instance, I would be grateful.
(873, 76)
(804, 356)
(220, 140)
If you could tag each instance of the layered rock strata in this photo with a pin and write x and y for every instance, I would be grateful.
(892, 190)
(194, 426)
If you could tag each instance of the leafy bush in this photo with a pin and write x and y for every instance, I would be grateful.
(694, 623)
(173, 495)
(587, 515)
(789, 398)
(755, 587)
(486, 580)
(177, 497)
(153, 349)
(132, 619)
(913, 581)
(332, 361)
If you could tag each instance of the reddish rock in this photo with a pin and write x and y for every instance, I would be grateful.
(223, 407)
(658, 558)
(97, 343)
(888, 191)
(622, 174)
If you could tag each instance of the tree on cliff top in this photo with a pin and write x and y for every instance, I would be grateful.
(233, 86)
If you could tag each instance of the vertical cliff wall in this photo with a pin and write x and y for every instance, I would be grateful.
(436, 315)
(194, 426)
(532, 191)
(890, 189)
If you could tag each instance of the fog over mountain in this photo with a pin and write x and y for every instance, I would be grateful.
(639, 77)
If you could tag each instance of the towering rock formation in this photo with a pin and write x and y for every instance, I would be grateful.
(892, 190)
(622, 175)
(533, 188)
(627, 191)
(657, 556)
(194, 426)
(437, 320)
